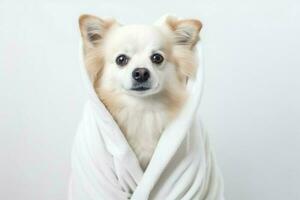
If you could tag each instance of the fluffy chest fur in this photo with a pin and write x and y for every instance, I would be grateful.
(142, 126)
(142, 121)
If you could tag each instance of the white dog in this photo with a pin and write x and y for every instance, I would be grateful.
(139, 72)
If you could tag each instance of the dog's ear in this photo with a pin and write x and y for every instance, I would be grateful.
(185, 35)
(185, 31)
(93, 29)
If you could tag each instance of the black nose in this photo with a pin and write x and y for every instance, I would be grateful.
(141, 74)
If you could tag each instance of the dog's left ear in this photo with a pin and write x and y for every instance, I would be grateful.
(185, 35)
(186, 31)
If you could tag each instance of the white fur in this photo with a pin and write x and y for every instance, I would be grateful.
(144, 122)
(143, 116)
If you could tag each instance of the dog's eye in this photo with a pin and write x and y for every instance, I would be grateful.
(122, 60)
(157, 58)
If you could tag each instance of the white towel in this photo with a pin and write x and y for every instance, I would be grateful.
(182, 167)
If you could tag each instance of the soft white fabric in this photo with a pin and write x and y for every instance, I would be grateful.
(182, 167)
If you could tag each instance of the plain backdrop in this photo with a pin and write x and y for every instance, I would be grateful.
(251, 103)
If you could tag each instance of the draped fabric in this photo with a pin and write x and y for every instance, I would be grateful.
(182, 167)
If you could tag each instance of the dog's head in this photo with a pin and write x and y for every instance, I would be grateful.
(139, 60)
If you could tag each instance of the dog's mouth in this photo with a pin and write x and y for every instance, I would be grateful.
(141, 88)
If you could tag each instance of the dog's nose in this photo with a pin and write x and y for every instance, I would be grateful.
(140, 74)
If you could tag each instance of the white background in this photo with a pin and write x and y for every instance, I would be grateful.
(251, 102)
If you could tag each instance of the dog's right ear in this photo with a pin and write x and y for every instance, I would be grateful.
(93, 29)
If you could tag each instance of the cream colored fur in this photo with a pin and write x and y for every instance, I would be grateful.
(141, 115)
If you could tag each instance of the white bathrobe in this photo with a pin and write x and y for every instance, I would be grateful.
(104, 167)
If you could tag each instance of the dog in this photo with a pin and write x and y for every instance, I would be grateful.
(139, 72)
